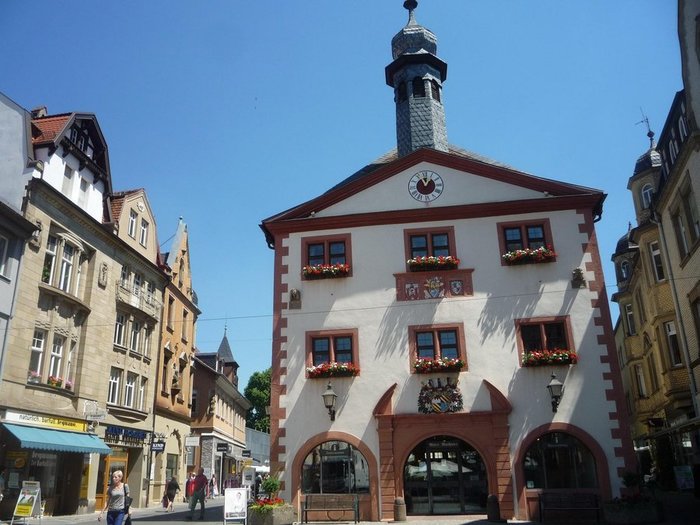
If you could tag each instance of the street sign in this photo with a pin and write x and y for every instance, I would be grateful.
(158, 446)
(97, 416)
(222, 447)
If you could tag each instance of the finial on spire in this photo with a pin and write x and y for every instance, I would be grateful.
(410, 5)
(650, 133)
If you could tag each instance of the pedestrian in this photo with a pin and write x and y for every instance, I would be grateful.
(213, 487)
(171, 490)
(116, 504)
(3, 473)
(188, 487)
(199, 491)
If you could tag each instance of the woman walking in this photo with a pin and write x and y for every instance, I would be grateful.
(171, 489)
(116, 500)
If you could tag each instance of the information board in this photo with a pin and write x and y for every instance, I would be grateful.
(236, 505)
(29, 501)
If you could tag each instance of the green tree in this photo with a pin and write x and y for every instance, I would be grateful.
(258, 393)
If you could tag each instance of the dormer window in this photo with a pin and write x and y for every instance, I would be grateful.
(647, 196)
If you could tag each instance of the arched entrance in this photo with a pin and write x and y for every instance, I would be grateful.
(445, 475)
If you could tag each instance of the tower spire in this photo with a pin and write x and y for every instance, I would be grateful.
(417, 74)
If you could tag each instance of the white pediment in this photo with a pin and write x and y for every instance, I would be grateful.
(459, 188)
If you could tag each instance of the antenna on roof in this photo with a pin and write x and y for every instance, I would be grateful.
(650, 133)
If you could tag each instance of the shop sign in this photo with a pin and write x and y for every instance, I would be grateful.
(245, 453)
(222, 447)
(158, 446)
(128, 436)
(44, 421)
(192, 441)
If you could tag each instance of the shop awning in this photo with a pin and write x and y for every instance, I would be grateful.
(45, 439)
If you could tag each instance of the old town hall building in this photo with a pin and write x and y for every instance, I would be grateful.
(429, 300)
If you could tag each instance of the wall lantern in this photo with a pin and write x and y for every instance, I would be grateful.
(329, 397)
(556, 390)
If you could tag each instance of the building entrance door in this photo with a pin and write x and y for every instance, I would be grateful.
(445, 475)
(118, 460)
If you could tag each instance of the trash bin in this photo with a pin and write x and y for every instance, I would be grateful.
(399, 509)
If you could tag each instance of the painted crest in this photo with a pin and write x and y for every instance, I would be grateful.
(457, 287)
(434, 288)
(439, 399)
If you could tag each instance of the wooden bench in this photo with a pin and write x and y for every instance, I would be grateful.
(331, 503)
(568, 501)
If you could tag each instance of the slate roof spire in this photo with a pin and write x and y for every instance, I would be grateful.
(417, 74)
(224, 350)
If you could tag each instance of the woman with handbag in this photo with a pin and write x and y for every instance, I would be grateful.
(117, 496)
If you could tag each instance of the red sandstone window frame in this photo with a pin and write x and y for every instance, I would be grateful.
(523, 225)
(564, 320)
(352, 333)
(414, 330)
(326, 240)
(429, 233)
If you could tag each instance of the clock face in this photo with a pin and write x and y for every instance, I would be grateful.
(425, 186)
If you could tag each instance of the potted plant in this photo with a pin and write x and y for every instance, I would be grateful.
(68, 385)
(542, 254)
(558, 356)
(271, 510)
(55, 381)
(332, 369)
(325, 271)
(442, 262)
(33, 377)
(440, 364)
(633, 507)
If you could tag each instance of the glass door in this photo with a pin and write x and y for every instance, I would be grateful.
(444, 475)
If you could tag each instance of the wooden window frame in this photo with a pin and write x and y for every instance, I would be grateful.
(331, 334)
(414, 330)
(326, 240)
(530, 321)
(523, 225)
(429, 232)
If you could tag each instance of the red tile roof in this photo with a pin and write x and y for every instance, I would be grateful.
(117, 201)
(46, 129)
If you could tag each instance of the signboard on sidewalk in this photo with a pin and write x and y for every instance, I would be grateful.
(29, 500)
(235, 505)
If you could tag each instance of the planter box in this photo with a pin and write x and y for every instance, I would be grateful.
(284, 515)
(632, 513)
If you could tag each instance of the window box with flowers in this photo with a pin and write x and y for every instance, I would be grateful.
(325, 271)
(68, 385)
(550, 357)
(55, 381)
(33, 377)
(440, 364)
(530, 256)
(332, 369)
(424, 264)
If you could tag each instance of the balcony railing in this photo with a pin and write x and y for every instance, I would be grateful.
(146, 302)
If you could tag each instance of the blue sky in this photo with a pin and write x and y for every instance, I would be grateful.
(230, 111)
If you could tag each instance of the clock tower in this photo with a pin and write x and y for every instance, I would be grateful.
(417, 74)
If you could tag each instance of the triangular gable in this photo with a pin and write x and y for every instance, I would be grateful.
(382, 172)
(523, 188)
(52, 131)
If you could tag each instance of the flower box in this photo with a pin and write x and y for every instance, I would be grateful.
(424, 264)
(530, 256)
(629, 511)
(332, 370)
(325, 271)
(428, 366)
(33, 377)
(549, 357)
(260, 513)
(55, 382)
(68, 385)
